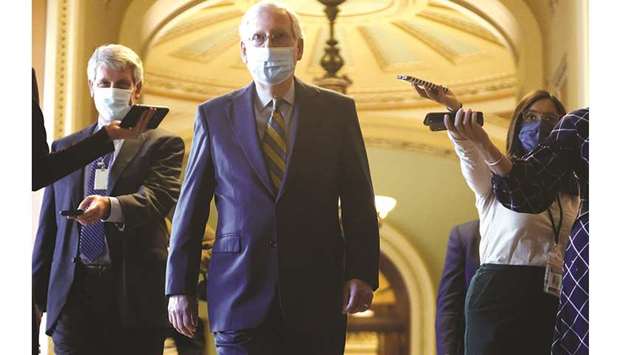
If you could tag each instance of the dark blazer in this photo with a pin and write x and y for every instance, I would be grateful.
(288, 240)
(145, 179)
(46, 167)
(462, 261)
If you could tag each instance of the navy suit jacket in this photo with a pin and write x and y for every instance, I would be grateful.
(145, 179)
(287, 243)
(462, 261)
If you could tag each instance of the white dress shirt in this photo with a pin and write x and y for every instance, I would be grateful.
(508, 237)
(116, 212)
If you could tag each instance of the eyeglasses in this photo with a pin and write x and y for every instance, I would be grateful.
(276, 39)
(538, 116)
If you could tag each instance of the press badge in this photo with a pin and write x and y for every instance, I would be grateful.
(553, 271)
(101, 177)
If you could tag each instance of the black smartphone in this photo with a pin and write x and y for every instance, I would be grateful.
(71, 213)
(420, 82)
(132, 117)
(435, 119)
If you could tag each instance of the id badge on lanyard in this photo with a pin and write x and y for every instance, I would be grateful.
(101, 176)
(554, 270)
(555, 260)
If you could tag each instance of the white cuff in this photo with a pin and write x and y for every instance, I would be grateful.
(116, 212)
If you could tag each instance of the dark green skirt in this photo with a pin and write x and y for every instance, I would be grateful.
(507, 312)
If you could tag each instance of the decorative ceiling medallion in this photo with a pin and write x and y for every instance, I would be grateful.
(348, 9)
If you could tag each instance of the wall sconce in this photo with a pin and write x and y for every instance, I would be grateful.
(384, 204)
(369, 313)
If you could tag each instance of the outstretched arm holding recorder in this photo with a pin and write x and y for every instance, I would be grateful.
(466, 126)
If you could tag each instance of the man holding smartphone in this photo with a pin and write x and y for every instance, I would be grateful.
(100, 275)
(48, 167)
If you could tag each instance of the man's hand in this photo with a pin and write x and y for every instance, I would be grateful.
(95, 208)
(357, 296)
(446, 98)
(115, 131)
(183, 314)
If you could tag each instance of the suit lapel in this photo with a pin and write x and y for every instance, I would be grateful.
(125, 155)
(244, 126)
(302, 115)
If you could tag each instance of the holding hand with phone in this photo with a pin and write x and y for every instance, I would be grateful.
(116, 130)
(466, 127)
(95, 207)
(92, 209)
(439, 94)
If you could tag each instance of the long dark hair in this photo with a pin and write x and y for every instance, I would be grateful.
(513, 148)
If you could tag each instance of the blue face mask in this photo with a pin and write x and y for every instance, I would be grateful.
(271, 65)
(532, 133)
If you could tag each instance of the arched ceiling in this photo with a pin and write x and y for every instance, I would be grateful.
(195, 56)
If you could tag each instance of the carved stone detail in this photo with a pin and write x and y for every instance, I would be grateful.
(486, 88)
(61, 70)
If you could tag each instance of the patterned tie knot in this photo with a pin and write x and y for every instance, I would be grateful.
(276, 104)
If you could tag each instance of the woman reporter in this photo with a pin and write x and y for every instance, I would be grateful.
(528, 185)
(510, 308)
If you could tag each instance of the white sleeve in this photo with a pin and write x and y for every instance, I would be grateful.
(475, 171)
(116, 212)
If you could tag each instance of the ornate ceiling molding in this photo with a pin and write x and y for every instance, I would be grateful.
(197, 24)
(386, 64)
(434, 42)
(489, 88)
(459, 24)
(485, 88)
(216, 49)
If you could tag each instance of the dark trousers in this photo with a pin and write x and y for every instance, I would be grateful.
(273, 337)
(90, 324)
(190, 346)
(507, 312)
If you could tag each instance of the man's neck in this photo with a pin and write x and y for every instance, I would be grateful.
(278, 90)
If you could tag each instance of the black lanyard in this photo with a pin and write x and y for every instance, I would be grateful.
(556, 231)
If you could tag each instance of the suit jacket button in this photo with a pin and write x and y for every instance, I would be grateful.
(273, 244)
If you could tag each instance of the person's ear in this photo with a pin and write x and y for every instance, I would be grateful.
(244, 54)
(300, 48)
(90, 89)
(137, 93)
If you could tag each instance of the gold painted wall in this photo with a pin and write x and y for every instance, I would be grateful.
(564, 26)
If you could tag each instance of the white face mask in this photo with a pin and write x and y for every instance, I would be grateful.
(112, 104)
(271, 65)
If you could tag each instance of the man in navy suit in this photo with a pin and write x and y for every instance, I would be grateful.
(100, 276)
(277, 155)
(462, 261)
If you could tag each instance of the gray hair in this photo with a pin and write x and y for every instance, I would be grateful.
(257, 8)
(116, 57)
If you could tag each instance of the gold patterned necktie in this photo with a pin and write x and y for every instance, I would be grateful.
(274, 145)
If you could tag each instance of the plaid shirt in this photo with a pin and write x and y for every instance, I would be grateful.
(531, 187)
